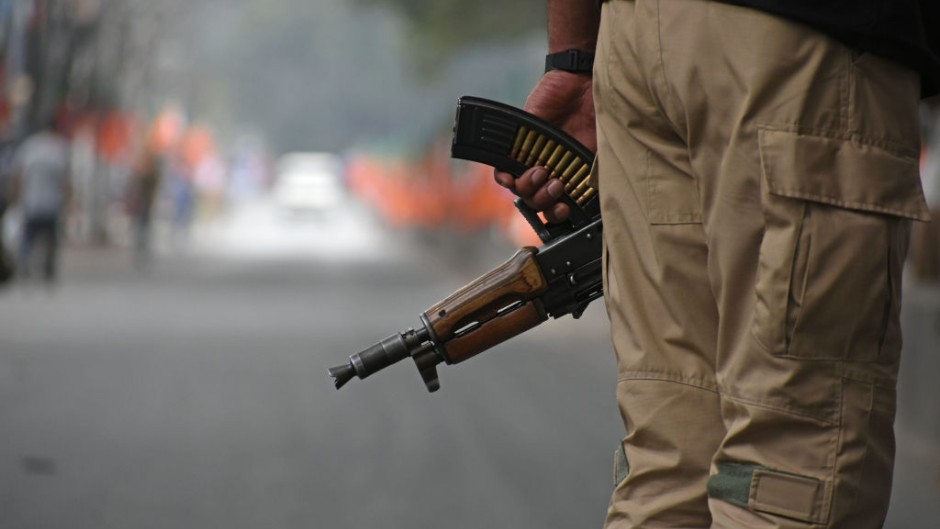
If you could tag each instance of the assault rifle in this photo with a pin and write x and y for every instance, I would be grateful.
(560, 277)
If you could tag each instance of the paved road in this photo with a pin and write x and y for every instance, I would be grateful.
(916, 495)
(195, 395)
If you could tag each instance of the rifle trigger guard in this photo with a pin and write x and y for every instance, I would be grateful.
(532, 217)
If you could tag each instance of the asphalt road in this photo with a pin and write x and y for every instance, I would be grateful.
(195, 395)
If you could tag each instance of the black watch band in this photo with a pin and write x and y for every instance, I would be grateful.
(575, 61)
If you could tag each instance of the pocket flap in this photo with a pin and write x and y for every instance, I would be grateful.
(842, 172)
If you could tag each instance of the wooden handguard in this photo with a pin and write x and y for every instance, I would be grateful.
(490, 310)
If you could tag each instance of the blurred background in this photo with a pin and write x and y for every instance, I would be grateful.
(258, 189)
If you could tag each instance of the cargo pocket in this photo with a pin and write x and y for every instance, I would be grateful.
(837, 216)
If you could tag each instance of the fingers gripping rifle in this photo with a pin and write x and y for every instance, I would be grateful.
(562, 276)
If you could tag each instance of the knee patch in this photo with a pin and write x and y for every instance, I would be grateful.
(765, 490)
(621, 465)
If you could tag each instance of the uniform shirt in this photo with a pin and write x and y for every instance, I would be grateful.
(905, 31)
(42, 162)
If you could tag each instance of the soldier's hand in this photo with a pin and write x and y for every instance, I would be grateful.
(565, 100)
(538, 191)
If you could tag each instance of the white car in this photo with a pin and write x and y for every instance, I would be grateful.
(309, 182)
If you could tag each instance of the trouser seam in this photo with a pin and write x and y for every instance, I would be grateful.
(777, 407)
(665, 376)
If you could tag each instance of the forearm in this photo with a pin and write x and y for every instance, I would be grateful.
(572, 24)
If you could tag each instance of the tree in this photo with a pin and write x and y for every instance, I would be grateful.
(441, 27)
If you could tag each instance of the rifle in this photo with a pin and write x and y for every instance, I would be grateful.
(560, 277)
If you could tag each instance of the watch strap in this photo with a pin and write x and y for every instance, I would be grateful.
(575, 61)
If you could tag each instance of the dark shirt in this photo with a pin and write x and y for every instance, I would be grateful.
(905, 31)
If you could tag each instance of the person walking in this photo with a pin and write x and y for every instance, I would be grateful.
(757, 170)
(41, 186)
(143, 192)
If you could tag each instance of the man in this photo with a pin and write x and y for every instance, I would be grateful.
(7, 259)
(757, 168)
(42, 186)
(925, 238)
(144, 188)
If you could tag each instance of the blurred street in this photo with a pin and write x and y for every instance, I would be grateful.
(205, 204)
(194, 394)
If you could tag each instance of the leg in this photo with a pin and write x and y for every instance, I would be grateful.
(51, 257)
(806, 156)
(142, 228)
(663, 313)
(28, 234)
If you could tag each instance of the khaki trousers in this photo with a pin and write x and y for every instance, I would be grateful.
(758, 181)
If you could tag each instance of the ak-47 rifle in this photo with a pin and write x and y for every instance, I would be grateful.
(562, 276)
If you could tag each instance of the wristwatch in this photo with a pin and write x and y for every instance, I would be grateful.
(575, 61)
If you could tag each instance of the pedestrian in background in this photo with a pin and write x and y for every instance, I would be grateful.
(925, 246)
(141, 199)
(41, 186)
(7, 258)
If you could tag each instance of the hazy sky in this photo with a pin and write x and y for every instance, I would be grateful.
(327, 75)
